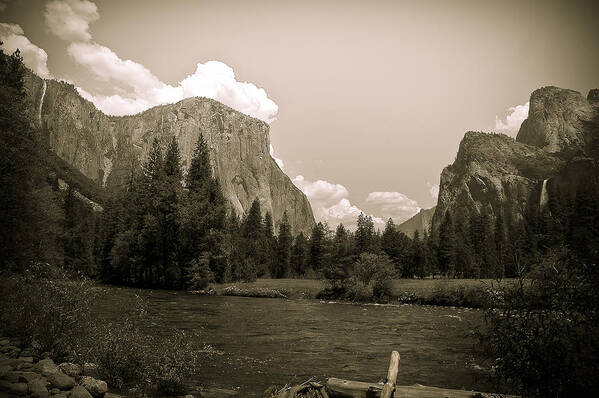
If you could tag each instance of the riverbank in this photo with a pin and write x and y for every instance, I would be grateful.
(470, 293)
(24, 373)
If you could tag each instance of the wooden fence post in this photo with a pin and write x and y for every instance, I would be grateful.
(389, 386)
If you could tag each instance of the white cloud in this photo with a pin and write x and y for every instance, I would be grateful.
(277, 160)
(34, 58)
(70, 19)
(107, 66)
(516, 115)
(330, 203)
(134, 88)
(393, 204)
(433, 190)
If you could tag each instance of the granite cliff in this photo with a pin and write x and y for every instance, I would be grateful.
(105, 148)
(557, 145)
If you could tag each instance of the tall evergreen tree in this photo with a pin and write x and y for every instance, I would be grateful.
(317, 247)
(284, 242)
(298, 255)
(446, 245)
(19, 167)
(365, 235)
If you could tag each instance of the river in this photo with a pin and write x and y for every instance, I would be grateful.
(261, 341)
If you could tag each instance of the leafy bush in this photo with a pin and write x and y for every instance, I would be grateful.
(544, 332)
(47, 307)
(370, 279)
(457, 296)
(199, 275)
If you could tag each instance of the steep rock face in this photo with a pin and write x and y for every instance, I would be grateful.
(420, 222)
(105, 148)
(556, 119)
(502, 176)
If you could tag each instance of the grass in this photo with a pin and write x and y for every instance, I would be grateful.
(446, 292)
(290, 288)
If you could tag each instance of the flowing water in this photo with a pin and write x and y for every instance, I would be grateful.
(261, 341)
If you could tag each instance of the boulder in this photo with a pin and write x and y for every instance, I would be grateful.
(111, 395)
(70, 369)
(23, 359)
(38, 388)
(4, 342)
(60, 380)
(13, 388)
(46, 367)
(4, 370)
(61, 394)
(96, 387)
(55, 391)
(90, 369)
(26, 377)
(79, 392)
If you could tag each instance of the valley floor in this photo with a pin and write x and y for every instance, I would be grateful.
(444, 292)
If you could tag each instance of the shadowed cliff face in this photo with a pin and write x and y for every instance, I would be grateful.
(500, 175)
(105, 148)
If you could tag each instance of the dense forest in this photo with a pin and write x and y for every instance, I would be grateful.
(170, 229)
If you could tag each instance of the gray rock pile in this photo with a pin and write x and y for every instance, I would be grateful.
(21, 375)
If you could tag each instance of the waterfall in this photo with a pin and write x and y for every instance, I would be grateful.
(39, 112)
(543, 199)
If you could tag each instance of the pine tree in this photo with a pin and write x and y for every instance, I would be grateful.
(365, 235)
(317, 247)
(171, 196)
(267, 246)
(19, 167)
(199, 174)
(446, 245)
(298, 255)
(284, 241)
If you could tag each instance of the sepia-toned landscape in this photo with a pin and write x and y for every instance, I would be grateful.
(299, 199)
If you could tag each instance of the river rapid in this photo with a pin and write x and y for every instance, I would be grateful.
(257, 342)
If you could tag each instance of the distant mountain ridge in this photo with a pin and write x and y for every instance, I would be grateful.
(105, 148)
(419, 222)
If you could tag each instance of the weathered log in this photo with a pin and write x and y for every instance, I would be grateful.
(339, 388)
(389, 386)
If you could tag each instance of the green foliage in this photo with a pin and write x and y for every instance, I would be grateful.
(47, 307)
(369, 279)
(199, 275)
(298, 259)
(283, 254)
(544, 332)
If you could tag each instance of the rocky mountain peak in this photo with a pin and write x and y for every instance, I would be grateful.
(556, 119)
(104, 148)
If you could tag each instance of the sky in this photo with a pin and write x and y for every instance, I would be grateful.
(367, 101)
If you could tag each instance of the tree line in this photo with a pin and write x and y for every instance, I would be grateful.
(168, 229)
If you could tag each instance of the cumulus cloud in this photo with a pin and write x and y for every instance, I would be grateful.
(34, 58)
(516, 115)
(330, 203)
(70, 19)
(134, 87)
(277, 160)
(393, 205)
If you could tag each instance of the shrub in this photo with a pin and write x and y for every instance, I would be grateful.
(47, 307)
(544, 333)
(370, 279)
(199, 275)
